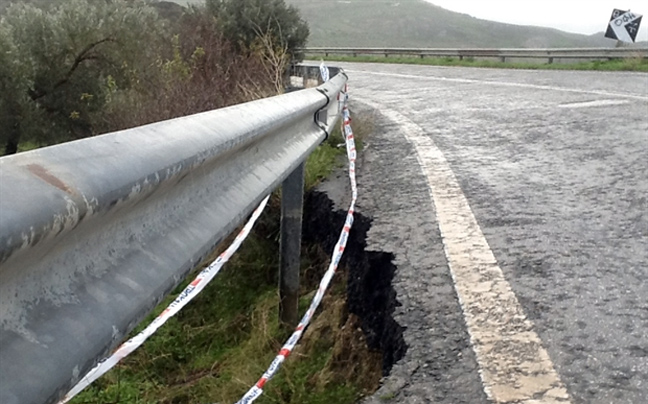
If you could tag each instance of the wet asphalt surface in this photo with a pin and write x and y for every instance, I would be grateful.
(555, 168)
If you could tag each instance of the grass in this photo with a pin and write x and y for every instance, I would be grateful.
(221, 343)
(324, 160)
(636, 64)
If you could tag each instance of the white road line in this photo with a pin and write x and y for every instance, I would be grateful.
(514, 366)
(502, 84)
(597, 103)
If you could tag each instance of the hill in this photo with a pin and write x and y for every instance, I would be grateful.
(416, 23)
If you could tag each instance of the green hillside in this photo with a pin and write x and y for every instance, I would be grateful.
(416, 23)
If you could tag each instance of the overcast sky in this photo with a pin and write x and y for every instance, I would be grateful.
(580, 16)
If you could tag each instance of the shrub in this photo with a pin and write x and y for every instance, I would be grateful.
(245, 21)
(58, 63)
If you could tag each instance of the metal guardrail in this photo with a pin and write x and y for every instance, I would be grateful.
(501, 54)
(94, 233)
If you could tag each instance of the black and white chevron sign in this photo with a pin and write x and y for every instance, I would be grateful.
(623, 25)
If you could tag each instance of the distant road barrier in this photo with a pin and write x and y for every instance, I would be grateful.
(95, 232)
(501, 54)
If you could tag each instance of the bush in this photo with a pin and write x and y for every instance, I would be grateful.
(60, 61)
(202, 71)
(245, 21)
(79, 68)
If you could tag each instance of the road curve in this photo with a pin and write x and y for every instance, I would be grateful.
(486, 182)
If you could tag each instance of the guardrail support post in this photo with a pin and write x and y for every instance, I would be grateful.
(292, 201)
(305, 76)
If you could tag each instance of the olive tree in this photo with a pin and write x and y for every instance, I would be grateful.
(58, 66)
(13, 82)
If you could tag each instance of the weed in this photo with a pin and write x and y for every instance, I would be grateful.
(324, 160)
(387, 396)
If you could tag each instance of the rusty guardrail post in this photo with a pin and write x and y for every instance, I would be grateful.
(292, 201)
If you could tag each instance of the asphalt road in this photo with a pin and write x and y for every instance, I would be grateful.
(554, 168)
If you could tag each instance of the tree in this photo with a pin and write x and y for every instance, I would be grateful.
(59, 66)
(75, 68)
(13, 82)
(244, 22)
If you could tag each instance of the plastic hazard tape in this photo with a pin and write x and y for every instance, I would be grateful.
(192, 290)
(256, 391)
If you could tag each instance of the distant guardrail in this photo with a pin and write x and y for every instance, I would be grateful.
(95, 232)
(501, 54)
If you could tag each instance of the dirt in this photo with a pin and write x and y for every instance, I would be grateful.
(370, 295)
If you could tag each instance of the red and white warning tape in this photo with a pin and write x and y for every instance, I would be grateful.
(191, 291)
(207, 274)
(256, 391)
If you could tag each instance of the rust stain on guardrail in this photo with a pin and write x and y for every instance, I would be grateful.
(42, 173)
